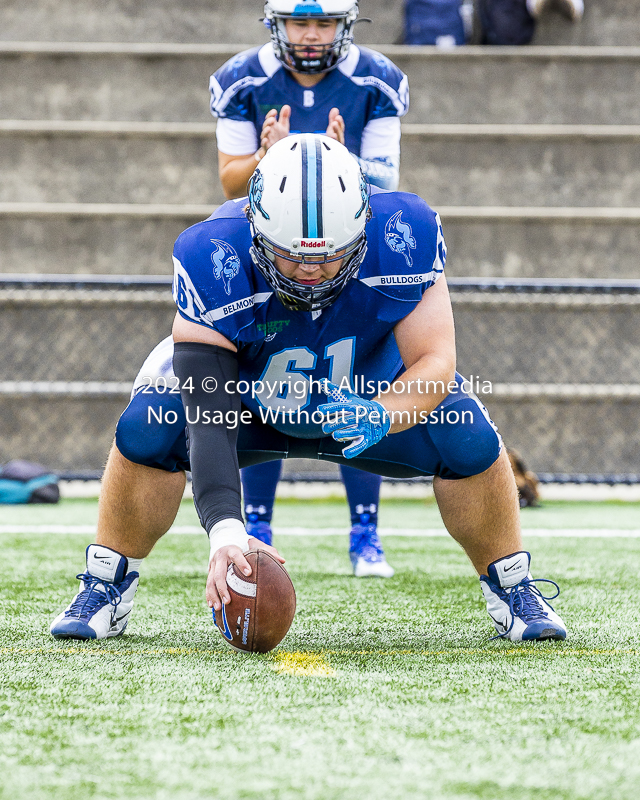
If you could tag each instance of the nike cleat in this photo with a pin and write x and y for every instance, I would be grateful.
(366, 553)
(260, 530)
(519, 610)
(102, 607)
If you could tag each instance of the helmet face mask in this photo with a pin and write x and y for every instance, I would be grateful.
(304, 58)
(296, 296)
(308, 204)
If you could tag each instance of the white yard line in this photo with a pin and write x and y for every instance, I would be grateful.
(188, 530)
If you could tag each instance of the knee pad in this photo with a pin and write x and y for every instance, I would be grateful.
(467, 439)
(151, 432)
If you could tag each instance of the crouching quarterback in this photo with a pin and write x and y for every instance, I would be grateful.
(313, 321)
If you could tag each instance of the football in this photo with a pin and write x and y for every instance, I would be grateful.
(262, 605)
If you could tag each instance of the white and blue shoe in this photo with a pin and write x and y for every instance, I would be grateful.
(102, 607)
(519, 610)
(366, 553)
(260, 530)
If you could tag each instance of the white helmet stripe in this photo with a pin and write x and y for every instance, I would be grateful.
(312, 226)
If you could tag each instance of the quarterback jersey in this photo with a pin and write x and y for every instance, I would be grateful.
(370, 92)
(283, 354)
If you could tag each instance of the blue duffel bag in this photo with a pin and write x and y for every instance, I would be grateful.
(26, 482)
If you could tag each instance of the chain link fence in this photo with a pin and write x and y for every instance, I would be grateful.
(556, 363)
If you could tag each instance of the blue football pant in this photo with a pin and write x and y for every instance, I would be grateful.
(463, 441)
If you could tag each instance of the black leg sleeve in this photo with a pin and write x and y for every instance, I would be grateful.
(212, 428)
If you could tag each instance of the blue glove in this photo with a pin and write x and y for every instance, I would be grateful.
(364, 421)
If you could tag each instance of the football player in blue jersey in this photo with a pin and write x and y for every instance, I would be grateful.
(361, 370)
(295, 84)
(309, 78)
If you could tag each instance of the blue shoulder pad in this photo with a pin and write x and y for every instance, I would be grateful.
(376, 71)
(406, 249)
(230, 85)
(214, 282)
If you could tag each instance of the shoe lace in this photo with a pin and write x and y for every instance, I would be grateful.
(91, 598)
(260, 530)
(365, 541)
(524, 601)
(258, 526)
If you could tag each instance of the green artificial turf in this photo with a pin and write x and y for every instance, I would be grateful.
(382, 689)
(334, 513)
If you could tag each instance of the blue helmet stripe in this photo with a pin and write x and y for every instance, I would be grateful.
(306, 9)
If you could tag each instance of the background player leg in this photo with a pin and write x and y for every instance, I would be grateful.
(365, 549)
(259, 484)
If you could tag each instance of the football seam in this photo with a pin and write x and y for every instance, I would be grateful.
(256, 604)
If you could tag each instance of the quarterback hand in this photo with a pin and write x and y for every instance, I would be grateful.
(335, 129)
(364, 421)
(275, 128)
(217, 591)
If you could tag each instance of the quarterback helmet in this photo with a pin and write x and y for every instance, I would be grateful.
(325, 57)
(308, 200)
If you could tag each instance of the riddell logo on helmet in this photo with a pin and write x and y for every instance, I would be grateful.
(313, 243)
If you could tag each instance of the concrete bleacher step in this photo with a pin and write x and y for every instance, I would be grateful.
(116, 162)
(605, 22)
(521, 84)
(544, 338)
(542, 242)
(546, 165)
(86, 238)
(482, 241)
(169, 82)
(165, 21)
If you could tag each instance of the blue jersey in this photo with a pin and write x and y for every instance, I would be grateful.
(284, 354)
(367, 88)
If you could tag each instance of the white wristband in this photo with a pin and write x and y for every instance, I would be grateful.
(228, 532)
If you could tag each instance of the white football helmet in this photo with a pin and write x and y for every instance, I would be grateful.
(308, 197)
(326, 57)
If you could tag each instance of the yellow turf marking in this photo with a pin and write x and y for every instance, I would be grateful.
(306, 663)
(303, 664)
